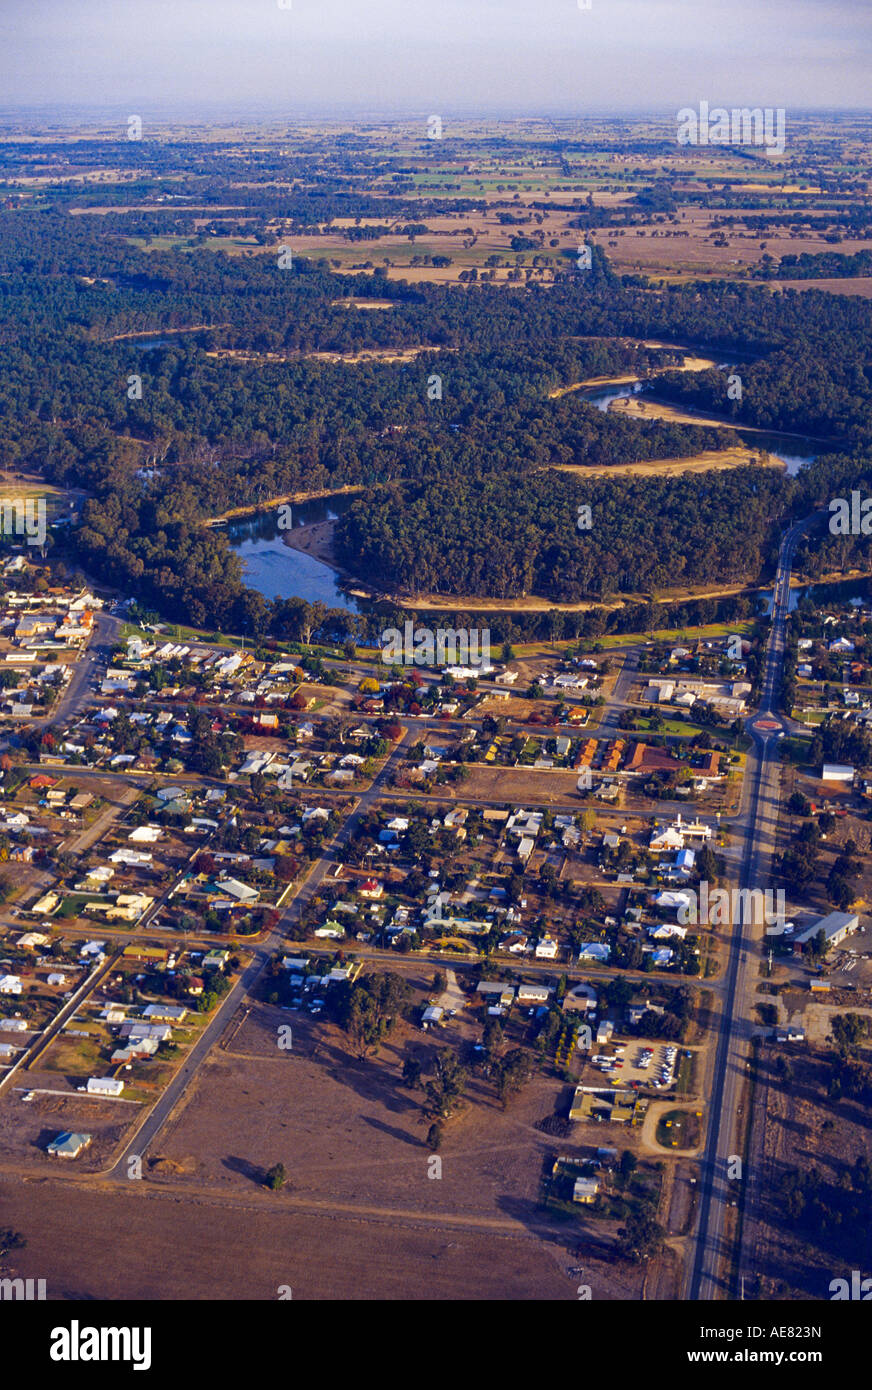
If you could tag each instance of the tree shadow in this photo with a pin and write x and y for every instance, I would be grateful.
(400, 1134)
(245, 1169)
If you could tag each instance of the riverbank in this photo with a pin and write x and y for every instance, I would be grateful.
(708, 461)
(592, 383)
(649, 408)
(286, 499)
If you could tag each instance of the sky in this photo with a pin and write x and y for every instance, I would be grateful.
(506, 57)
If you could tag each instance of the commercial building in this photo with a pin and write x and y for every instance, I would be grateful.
(835, 927)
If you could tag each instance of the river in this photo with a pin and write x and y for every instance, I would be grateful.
(277, 570)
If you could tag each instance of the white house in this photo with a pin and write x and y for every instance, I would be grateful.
(105, 1086)
(546, 949)
(667, 838)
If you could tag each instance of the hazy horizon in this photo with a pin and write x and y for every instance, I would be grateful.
(395, 58)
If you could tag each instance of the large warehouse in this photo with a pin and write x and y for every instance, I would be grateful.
(835, 926)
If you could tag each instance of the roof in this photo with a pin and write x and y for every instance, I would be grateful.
(68, 1144)
(834, 924)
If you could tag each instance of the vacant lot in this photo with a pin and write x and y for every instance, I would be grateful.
(29, 1125)
(353, 1143)
(519, 784)
(143, 1242)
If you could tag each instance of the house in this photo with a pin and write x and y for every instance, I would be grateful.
(153, 1032)
(145, 834)
(31, 939)
(240, 891)
(10, 984)
(546, 949)
(13, 1025)
(432, 1014)
(371, 888)
(604, 1031)
(68, 1145)
(127, 907)
(216, 960)
(93, 950)
(534, 994)
(105, 1086)
(675, 898)
(155, 955)
(132, 858)
(789, 1034)
(598, 951)
(496, 992)
(662, 956)
(668, 838)
(667, 930)
(164, 1013)
(580, 999)
(684, 862)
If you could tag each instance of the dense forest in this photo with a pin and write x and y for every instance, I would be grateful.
(457, 445)
(645, 534)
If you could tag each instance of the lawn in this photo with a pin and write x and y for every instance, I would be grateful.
(76, 1056)
(76, 903)
(686, 1071)
(673, 634)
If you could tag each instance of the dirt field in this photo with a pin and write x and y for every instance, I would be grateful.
(521, 785)
(142, 1242)
(352, 1141)
(358, 1190)
(857, 285)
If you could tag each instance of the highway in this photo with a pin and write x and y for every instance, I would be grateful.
(715, 1257)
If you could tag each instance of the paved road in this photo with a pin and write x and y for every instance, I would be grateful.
(710, 1274)
(94, 660)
